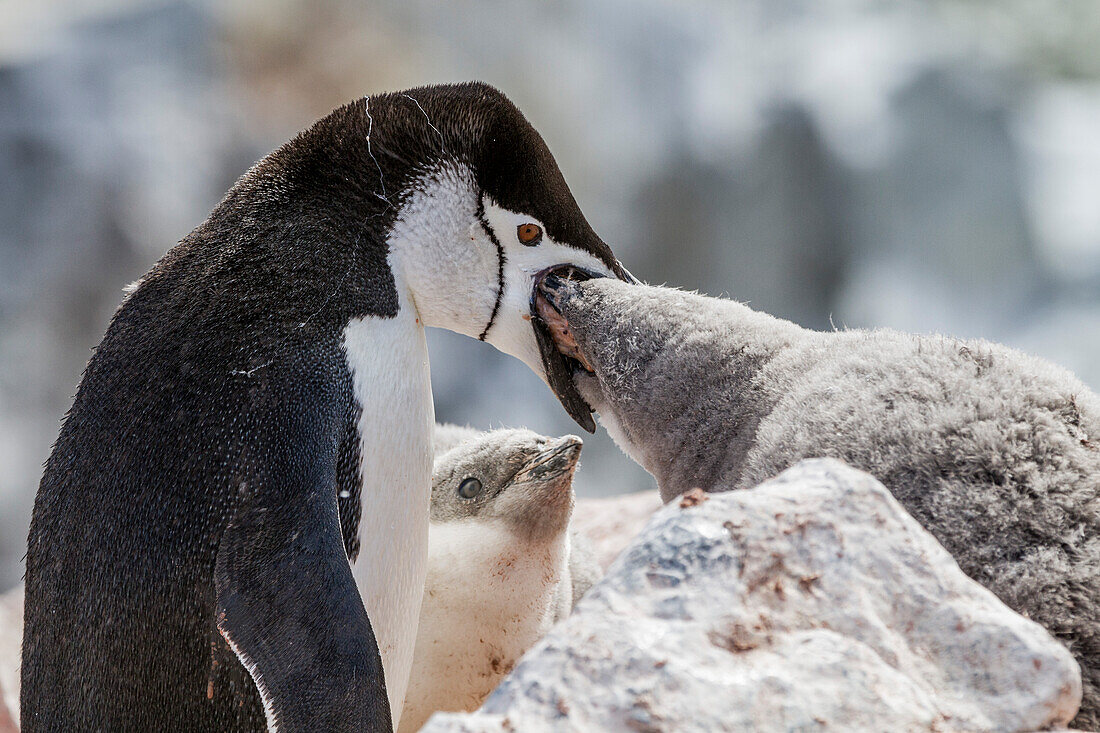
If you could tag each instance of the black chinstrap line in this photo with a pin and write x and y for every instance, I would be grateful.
(500, 266)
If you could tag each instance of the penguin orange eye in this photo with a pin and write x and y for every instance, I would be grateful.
(529, 234)
(469, 488)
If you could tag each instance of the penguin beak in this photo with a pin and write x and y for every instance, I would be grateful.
(559, 367)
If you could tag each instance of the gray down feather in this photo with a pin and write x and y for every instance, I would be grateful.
(996, 452)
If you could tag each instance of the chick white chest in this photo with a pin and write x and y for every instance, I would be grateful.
(489, 597)
(388, 360)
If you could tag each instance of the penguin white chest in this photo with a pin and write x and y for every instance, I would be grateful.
(388, 359)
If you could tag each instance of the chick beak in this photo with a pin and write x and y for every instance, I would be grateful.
(556, 461)
(559, 367)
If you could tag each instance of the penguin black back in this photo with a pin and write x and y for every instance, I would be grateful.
(190, 539)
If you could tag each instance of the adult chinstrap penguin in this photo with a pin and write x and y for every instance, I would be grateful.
(259, 411)
(995, 452)
(503, 565)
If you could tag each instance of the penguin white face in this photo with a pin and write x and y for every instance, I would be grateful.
(446, 259)
(511, 330)
(472, 265)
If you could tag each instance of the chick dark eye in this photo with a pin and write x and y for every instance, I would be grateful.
(529, 234)
(469, 488)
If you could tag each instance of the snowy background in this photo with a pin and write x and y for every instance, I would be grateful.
(932, 166)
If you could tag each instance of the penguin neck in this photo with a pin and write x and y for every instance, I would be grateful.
(388, 360)
(698, 450)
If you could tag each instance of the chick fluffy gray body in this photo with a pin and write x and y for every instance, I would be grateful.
(996, 452)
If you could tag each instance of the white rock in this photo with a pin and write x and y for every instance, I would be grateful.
(811, 602)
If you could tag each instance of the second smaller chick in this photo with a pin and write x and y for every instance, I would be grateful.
(503, 565)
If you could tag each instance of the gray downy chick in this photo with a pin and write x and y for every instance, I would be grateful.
(503, 565)
(996, 452)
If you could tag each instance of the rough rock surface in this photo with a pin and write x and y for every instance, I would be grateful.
(811, 602)
(611, 523)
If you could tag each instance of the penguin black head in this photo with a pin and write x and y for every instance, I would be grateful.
(474, 210)
(531, 205)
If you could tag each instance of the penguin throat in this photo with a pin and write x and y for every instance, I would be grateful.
(441, 251)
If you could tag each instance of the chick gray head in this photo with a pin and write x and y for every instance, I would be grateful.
(516, 476)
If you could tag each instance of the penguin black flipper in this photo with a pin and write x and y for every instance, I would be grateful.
(288, 606)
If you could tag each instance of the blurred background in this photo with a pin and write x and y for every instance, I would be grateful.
(931, 166)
